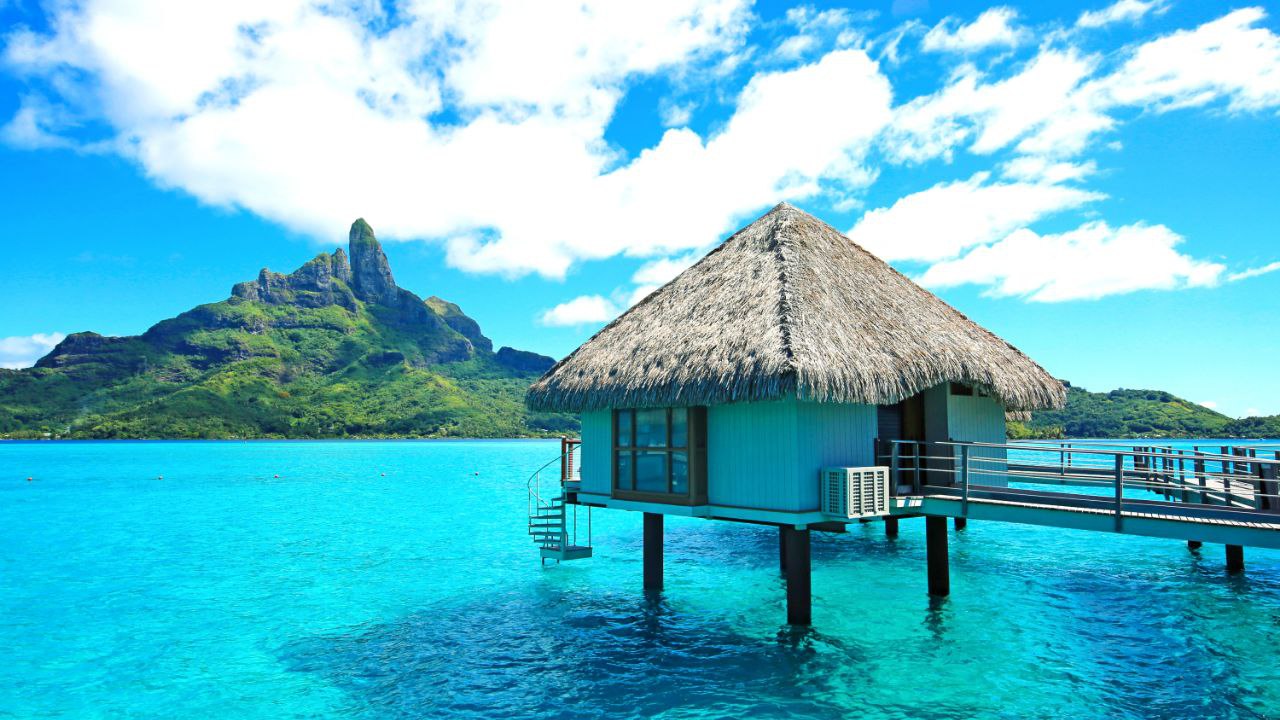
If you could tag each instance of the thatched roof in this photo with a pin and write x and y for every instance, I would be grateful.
(788, 307)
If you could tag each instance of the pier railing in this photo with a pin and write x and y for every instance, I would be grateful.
(1219, 478)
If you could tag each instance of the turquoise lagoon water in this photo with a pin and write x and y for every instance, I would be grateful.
(395, 580)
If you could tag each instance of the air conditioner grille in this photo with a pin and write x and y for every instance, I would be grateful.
(855, 492)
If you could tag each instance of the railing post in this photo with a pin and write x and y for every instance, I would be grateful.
(1182, 477)
(1202, 497)
(893, 466)
(1119, 491)
(964, 481)
(916, 485)
(1267, 486)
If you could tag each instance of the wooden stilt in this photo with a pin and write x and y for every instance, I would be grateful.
(799, 591)
(652, 551)
(891, 527)
(782, 548)
(1194, 544)
(962, 523)
(935, 527)
(1235, 558)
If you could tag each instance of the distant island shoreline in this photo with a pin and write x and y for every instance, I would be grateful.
(337, 350)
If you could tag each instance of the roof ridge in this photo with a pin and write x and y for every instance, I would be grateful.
(777, 238)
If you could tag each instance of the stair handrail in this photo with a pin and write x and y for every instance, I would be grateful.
(534, 484)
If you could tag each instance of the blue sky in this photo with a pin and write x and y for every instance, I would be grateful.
(1094, 182)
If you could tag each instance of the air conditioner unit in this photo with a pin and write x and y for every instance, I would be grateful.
(855, 492)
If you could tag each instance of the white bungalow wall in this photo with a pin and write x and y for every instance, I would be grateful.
(979, 419)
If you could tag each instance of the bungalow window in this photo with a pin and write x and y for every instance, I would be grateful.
(656, 452)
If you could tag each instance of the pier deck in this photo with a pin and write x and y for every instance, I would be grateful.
(1225, 496)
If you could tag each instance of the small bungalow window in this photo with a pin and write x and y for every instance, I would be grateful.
(652, 449)
(961, 389)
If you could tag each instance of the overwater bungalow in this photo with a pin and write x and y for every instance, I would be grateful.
(791, 378)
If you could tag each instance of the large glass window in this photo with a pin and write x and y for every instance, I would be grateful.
(651, 450)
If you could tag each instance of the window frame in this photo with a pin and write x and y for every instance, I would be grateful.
(694, 451)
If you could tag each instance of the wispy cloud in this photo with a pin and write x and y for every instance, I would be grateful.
(1254, 272)
(1122, 11)
(994, 28)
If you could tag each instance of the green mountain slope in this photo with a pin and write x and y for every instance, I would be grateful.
(334, 349)
(1138, 413)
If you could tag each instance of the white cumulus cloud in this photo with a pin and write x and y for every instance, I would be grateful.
(22, 351)
(582, 310)
(948, 218)
(1090, 262)
(458, 124)
(1062, 98)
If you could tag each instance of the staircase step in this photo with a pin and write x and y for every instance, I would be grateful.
(571, 552)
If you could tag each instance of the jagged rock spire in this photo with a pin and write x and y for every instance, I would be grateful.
(370, 271)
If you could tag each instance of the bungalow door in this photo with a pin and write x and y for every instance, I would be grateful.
(901, 421)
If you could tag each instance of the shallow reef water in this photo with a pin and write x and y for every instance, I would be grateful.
(395, 580)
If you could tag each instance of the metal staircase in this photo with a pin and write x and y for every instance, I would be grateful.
(553, 527)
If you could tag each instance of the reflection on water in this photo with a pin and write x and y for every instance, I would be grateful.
(546, 653)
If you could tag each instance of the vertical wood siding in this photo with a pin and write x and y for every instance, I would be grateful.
(751, 455)
(831, 435)
(979, 419)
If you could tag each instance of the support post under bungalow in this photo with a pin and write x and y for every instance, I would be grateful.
(799, 589)
(935, 529)
(1194, 544)
(891, 527)
(1235, 558)
(652, 552)
(962, 523)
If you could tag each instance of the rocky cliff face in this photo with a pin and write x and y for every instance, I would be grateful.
(312, 285)
(458, 320)
(524, 361)
(370, 271)
(359, 282)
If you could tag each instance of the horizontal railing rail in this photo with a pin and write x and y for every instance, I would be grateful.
(1235, 478)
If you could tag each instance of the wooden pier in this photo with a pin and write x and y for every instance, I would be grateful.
(1220, 495)
(1225, 495)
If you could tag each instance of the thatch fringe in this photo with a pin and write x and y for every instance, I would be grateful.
(789, 307)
